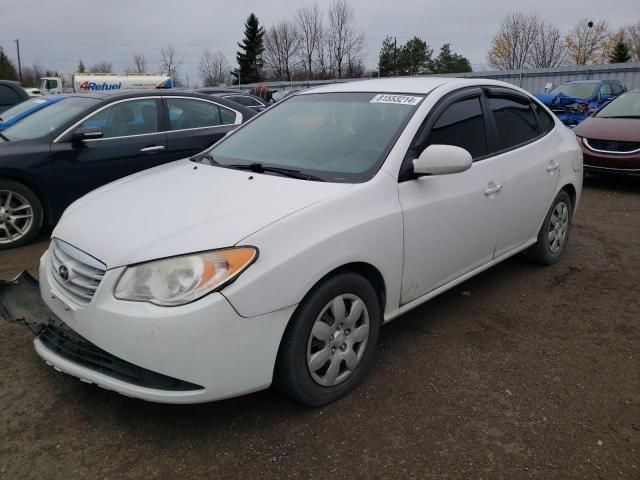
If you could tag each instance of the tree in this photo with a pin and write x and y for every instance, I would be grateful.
(102, 67)
(214, 68)
(620, 53)
(548, 48)
(170, 62)
(7, 68)
(249, 57)
(511, 46)
(414, 57)
(139, 64)
(281, 47)
(310, 28)
(450, 62)
(587, 42)
(632, 33)
(387, 58)
(343, 41)
(81, 67)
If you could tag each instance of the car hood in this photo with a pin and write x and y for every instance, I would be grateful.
(618, 129)
(179, 208)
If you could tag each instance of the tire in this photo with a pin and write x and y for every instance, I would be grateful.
(314, 334)
(21, 214)
(554, 232)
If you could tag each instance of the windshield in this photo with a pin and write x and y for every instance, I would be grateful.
(21, 108)
(627, 105)
(338, 137)
(577, 90)
(49, 119)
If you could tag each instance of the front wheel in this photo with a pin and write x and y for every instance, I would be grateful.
(20, 214)
(329, 343)
(554, 233)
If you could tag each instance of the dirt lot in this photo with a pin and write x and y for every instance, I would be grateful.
(522, 372)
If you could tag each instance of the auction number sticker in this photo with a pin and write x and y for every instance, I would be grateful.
(397, 99)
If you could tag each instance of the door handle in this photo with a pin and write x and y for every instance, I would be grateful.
(553, 166)
(492, 190)
(155, 148)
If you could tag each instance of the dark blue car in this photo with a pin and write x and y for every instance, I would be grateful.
(573, 101)
(24, 109)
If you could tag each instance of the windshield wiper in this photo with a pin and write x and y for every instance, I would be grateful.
(621, 116)
(258, 167)
(4, 138)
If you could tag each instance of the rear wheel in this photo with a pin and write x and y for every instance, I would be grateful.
(329, 344)
(20, 214)
(554, 233)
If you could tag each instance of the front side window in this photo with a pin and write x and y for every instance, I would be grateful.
(50, 119)
(617, 88)
(246, 101)
(124, 119)
(605, 89)
(8, 96)
(185, 113)
(624, 106)
(461, 125)
(339, 137)
(515, 121)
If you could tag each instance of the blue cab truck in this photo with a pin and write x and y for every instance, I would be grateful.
(574, 101)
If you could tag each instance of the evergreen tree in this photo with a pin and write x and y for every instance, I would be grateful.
(449, 62)
(7, 68)
(414, 57)
(249, 57)
(81, 67)
(386, 58)
(620, 53)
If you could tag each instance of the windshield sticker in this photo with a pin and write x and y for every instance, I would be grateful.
(397, 99)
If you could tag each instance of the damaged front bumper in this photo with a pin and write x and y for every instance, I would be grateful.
(21, 303)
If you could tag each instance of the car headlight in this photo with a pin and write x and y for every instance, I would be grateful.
(179, 280)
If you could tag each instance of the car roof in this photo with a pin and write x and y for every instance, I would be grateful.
(418, 85)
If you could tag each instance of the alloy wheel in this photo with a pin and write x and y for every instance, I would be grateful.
(558, 226)
(16, 216)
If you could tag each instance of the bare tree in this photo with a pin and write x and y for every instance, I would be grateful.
(342, 34)
(102, 67)
(354, 49)
(548, 48)
(511, 46)
(587, 42)
(214, 68)
(170, 62)
(281, 46)
(310, 28)
(632, 36)
(139, 64)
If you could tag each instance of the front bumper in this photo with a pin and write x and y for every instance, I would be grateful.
(205, 343)
(599, 162)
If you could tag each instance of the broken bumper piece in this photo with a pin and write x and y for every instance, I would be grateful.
(21, 303)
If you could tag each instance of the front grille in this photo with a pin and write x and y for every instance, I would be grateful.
(63, 341)
(76, 273)
(612, 146)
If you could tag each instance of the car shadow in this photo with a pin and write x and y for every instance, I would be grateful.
(623, 183)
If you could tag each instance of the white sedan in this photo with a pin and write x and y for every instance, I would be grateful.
(276, 255)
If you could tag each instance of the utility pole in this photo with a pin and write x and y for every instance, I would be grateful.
(19, 62)
(395, 57)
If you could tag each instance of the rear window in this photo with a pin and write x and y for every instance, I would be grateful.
(546, 121)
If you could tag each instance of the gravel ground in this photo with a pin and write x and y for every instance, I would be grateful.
(521, 372)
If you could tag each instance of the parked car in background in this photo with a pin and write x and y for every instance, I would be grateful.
(59, 153)
(256, 104)
(11, 93)
(573, 101)
(610, 138)
(282, 94)
(215, 90)
(33, 92)
(262, 260)
(26, 108)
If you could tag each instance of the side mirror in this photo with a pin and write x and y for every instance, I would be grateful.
(442, 160)
(85, 133)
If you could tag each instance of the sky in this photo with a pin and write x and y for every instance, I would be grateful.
(57, 34)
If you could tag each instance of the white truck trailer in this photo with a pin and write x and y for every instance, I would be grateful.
(98, 82)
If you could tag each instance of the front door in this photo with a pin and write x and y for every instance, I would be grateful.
(131, 142)
(451, 222)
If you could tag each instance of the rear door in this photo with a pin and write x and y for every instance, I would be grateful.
(526, 153)
(131, 141)
(194, 124)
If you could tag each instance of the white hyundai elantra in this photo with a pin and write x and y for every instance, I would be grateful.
(276, 255)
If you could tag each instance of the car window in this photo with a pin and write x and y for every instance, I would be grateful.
(246, 101)
(462, 125)
(515, 121)
(605, 89)
(577, 90)
(617, 88)
(627, 105)
(190, 113)
(123, 119)
(8, 96)
(546, 121)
